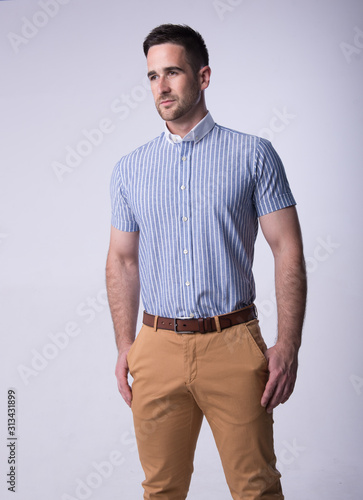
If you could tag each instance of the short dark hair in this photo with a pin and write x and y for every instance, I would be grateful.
(180, 34)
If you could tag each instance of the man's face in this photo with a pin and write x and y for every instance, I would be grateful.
(174, 85)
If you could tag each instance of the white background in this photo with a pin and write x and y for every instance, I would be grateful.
(64, 76)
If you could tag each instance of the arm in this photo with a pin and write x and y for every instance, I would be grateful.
(123, 290)
(282, 232)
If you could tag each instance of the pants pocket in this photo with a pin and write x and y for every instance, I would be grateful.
(131, 353)
(255, 337)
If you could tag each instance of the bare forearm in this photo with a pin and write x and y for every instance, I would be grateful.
(291, 286)
(282, 231)
(123, 289)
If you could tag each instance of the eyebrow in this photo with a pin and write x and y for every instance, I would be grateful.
(165, 70)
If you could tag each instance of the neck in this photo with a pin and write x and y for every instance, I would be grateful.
(184, 124)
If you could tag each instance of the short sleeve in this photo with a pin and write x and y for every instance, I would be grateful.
(272, 191)
(122, 217)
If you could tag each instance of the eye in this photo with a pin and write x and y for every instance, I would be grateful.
(152, 78)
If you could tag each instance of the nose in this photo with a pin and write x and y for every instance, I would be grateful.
(163, 85)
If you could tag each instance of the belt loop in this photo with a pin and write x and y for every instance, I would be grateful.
(216, 319)
(155, 322)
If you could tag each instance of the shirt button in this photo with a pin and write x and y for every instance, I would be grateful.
(185, 219)
(185, 251)
(192, 315)
(184, 158)
(182, 187)
(187, 283)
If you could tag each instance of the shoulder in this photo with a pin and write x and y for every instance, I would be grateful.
(259, 145)
(233, 133)
(242, 137)
(149, 147)
(247, 144)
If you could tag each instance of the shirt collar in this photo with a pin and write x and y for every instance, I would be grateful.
(196, 134)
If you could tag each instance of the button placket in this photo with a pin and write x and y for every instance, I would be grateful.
(185, 244)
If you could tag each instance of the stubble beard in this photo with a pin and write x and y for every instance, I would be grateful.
(180, 107)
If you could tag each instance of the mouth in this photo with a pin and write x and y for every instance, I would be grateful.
(166, 102)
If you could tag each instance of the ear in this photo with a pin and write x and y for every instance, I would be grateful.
(204, 77)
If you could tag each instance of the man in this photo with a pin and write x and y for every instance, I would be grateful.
(185, 210)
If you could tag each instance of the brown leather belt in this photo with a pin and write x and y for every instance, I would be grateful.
(202, 325)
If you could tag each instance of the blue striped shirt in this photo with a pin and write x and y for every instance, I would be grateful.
(196, 203)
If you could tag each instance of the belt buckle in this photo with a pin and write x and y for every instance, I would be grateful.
(175, 327)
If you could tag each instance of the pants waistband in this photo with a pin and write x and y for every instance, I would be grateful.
(201, 325)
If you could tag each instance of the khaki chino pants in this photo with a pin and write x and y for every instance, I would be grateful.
(178, 379)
